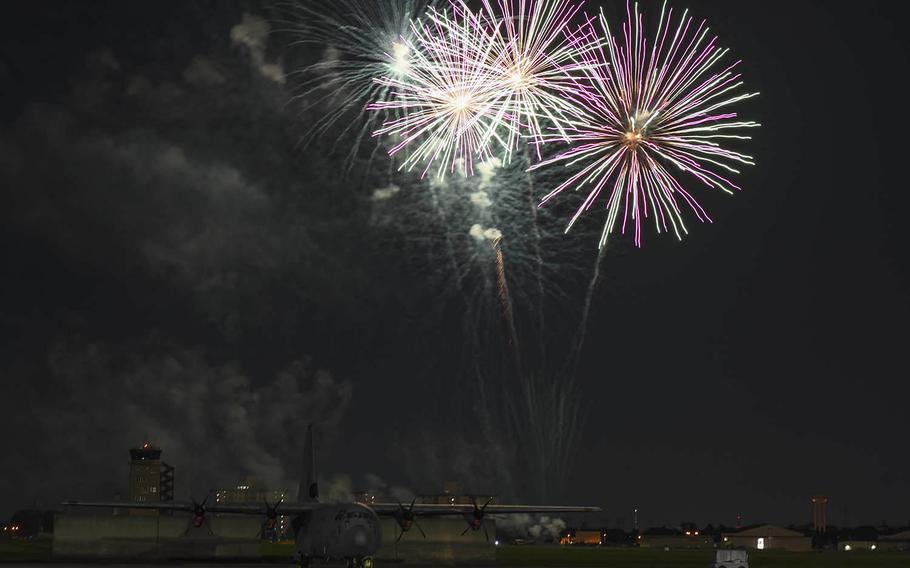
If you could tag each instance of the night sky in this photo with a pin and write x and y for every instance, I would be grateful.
(178, 266)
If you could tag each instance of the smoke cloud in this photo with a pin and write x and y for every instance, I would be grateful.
(213, 424)
(253, 33)
(542, 528)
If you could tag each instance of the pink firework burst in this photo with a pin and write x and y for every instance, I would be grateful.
(656, 108)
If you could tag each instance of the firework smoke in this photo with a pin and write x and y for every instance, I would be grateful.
(502, 263)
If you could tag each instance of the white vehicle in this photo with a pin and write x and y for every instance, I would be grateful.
(731, 559)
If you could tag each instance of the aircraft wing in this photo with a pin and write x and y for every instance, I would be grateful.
(235, 508)
(160, 506)
(439, 510)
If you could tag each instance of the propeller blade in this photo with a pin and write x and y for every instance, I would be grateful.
(464, 532)
(485, 533)
(400, 534)
(490, 500)
(411, 507)
(420, 529)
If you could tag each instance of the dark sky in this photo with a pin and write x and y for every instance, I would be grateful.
(176, 265)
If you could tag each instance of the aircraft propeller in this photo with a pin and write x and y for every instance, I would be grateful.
(271, 516)
(199, 512)
(406, 518)
(475, 518)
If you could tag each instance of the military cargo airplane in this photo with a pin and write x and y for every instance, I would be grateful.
(340, 531)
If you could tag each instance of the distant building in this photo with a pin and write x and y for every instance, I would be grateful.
(899, 541)
(250, 491)
(145, 477)
(583, 537)
(819, 513)
(768, 537)
(29, 523)
(365, 497)
(453, 494)
(662, 537)
(150, 479)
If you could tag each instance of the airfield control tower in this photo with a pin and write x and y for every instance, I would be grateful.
(150, 478)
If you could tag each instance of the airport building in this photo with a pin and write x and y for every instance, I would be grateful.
(895, 542)
(583, 537)
(662, 537)
(453, 493)
(768, 537)
(150, 479)
(248, 490)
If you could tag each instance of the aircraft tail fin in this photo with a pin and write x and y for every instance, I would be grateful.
(308, 492)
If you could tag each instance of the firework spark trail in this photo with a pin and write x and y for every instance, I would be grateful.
(364, 40)
(577, 347)
(538, 256)
(648, 109)
(506, 301)
(538, 406)
(446, 100)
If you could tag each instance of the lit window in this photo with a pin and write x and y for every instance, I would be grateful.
(847, 547)
(760, 544)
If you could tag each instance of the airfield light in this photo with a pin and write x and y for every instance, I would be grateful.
(873, 547)
(847, 547)
(495, 543)
(688, 533)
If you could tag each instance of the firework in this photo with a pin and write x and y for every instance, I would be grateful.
(361, 40)
(537, 65)
(446, 100)
(654, 110)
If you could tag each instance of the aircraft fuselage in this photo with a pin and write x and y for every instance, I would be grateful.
(343, 531)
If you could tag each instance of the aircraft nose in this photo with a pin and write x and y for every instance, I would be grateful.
(359, 540)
